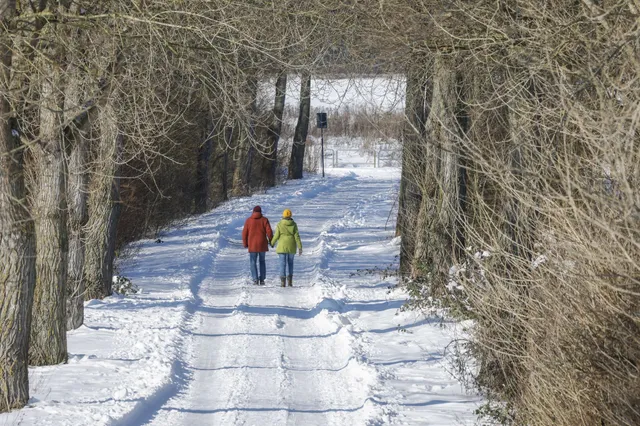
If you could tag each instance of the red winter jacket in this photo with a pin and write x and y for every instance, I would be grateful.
(257, 233)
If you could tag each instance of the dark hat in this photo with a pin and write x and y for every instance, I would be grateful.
(257, 209)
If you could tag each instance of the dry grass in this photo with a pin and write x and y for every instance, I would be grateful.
(545, 153)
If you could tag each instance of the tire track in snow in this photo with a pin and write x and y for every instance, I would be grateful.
(315, 395)
(298, 388)
(359, 376)
(245, 378)
(309, 191)
(144, 410)
(266, 380)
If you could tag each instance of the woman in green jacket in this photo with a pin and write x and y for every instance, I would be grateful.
(289, 237)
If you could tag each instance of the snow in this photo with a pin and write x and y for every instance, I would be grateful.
(538, 261)
(350, 153)
(201, 345)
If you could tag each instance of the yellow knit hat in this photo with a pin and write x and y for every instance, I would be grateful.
(286, 213)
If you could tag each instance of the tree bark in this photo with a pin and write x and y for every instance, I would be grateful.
(246, 146)
(48, 332)
(238, 187)
(104, 208)
(466, 89)
(418, 100)
(228, 139)
(275, 128)
(302, 128)
(251, 152)
(440, 198)
(17, 247)
(77, 196)
(203, 180)
(114, 218)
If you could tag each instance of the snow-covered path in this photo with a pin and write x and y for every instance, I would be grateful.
(202, 346)
(268, 355)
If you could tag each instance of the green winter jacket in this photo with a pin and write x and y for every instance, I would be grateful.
(287, 233)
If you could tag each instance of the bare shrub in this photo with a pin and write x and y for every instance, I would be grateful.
(545, 149)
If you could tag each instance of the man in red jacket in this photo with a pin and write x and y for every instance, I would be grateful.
(256, 235)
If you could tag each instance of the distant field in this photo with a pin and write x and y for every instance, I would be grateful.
(383, 93)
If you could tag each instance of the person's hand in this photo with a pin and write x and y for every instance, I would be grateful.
(300, 252)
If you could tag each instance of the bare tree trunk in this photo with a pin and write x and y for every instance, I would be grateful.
(17, 248)
(302, 128)
(104, 208)
(466, 89)
(114, 218)
(440, 199)
(418, 100)
(228, 138)
(274, 130)
(77, 196)
(246, 146)
(238, 187)
(203, 180)
(517, 211)
(48, 332)
(253, 113)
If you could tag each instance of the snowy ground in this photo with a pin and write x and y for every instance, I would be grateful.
(201, 346)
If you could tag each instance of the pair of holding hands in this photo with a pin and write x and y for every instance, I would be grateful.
(299, 250)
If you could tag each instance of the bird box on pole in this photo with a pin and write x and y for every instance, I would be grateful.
(321, 120)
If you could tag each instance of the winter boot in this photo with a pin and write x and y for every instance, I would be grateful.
(283, 281)
(255, 282)
(261, 282)
(290, 279)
